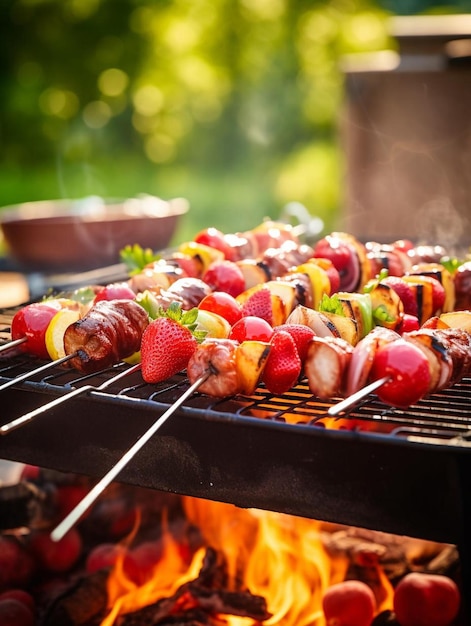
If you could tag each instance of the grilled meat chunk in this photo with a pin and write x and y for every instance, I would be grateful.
(326, 366)
(217, 356)
(109, 332)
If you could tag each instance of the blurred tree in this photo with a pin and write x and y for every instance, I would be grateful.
(232, 103)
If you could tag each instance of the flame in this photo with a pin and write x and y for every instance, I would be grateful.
(279, 557)
(387, 590)
(282, 556)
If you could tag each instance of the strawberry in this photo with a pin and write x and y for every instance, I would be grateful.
(168, 342)
(301, 334)
(283, 366)
(259, 304)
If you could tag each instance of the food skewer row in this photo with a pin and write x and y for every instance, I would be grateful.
(284, 292)
(275, 254)
(411, 366)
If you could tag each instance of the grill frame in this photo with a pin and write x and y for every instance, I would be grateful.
(217, 450)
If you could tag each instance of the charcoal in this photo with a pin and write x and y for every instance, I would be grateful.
(83, 604)
(205, 595)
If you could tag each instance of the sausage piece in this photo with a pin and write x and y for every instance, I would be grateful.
(109, 332)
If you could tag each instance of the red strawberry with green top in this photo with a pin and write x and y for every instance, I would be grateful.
(168, 342)
(259, 304)
(301, 334)
(283, 366)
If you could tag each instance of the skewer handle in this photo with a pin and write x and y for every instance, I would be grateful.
(73, 517)
(13, 344)
(27, 417)
(38, 370)
(357, 397)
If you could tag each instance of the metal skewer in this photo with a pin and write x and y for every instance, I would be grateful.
(13, 344)
(38, 370)
(357, 396)
(27, 417)
(69, 521)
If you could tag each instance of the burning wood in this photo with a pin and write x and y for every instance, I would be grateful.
(205, 596)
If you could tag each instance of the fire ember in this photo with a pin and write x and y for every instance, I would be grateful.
(142, 557)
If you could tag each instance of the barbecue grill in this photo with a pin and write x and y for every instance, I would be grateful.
(406, 472)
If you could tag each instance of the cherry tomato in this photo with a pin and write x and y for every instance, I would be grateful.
(349, 603)
(336, 250)
(251, 328)
(344, 258)
(408, 369)
(225, 276)
(223, 304)
(403, 244)
(214, 238)
(409, 323)
(115, 291)
(32, 321)
(426, 600)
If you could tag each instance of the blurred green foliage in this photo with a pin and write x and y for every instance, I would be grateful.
(233, 104)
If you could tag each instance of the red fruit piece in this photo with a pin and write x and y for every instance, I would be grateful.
(115, 291)
(408, 323)
(251, 328)
(426, 600)
(147, 555)
(113, 517)
(31, 322)
(167, 344)
(214, 238)
(225, 276)
(301, 334)
(349, 603)
(108, 555)
(68, 496)
(259, 304)
(56, 556)
(283, 366)
(344, 258)
(16, 563)
(222, 304)
(408, 369)
(15, 613)
(405, 293)
(20, 595)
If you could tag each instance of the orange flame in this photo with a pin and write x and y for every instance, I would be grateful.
(273, 555)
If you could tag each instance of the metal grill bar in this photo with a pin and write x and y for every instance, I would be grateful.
(445, 415)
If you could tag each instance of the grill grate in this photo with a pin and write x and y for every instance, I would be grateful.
(442, 418)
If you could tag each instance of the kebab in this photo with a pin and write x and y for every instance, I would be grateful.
(286, 288)
(411, 365)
